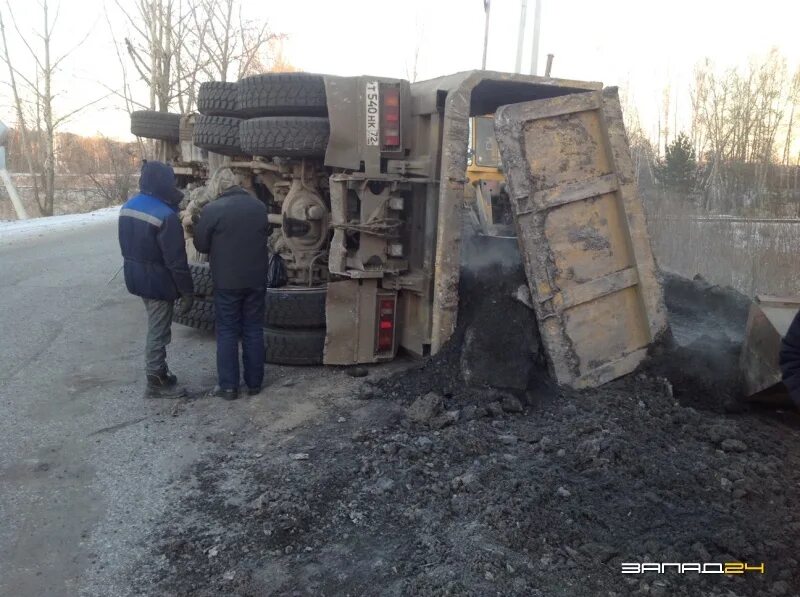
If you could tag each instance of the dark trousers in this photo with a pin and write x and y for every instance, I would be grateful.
(240, 316)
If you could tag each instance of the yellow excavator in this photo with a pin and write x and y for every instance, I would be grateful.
(767, 323)
(486, 192)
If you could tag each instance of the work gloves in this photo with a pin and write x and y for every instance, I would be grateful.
(185, 304)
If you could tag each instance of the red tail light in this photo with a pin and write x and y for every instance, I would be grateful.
(386, 312)
(390, 117)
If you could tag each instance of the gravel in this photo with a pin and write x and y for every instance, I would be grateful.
(447, 479)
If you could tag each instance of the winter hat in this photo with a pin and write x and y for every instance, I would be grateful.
(221, 181)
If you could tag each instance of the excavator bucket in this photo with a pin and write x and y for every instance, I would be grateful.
(767, 322)
(582, 234)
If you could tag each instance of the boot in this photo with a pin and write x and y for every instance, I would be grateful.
(169, 376)
(218, 392)
(163, 385)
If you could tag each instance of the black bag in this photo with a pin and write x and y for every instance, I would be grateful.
(276, 272)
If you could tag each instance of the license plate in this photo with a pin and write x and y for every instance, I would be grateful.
(373, 112)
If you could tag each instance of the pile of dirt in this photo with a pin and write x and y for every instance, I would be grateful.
(701, 357)
(436, 486)
(549, 501)
(494, 351)
(697, 308)
(496, 347)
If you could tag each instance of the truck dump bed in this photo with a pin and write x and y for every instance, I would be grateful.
(582, 234)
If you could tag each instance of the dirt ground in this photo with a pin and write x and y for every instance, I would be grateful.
(412, 481)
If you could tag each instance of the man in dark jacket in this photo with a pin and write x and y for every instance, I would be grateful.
(154, 250)
(790, 360)
(233, 230)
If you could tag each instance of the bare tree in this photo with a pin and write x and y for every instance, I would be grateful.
(794, 98)
(233, 44)
(191, 59)
(172, 44)
(665, 107)
(742, 112)
(153, 46)
(126, 93)
(641, 147)
(27, 147)
(698, 94)
(742, 127)
(40, 91)
(114, 182)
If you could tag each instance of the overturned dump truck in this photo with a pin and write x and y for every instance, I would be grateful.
(366, 182)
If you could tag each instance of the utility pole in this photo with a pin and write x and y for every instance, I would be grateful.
(549, 65)
(537, 19)
(486, 8)
(521, 35)
(9, 184)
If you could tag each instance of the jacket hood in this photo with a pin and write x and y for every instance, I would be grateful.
(158, 180)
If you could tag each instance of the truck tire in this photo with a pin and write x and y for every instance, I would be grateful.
(201, 278)
(219, 134)
(294, 347)
(163, 126)
(282, 94)
(216, 98)
(200, 316)
(286, 136)
(295, 307)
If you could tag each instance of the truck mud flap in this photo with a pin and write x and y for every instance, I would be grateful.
(582, 233)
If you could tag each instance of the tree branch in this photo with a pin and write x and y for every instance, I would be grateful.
(68, 115)
(138, 63)
(34, 54)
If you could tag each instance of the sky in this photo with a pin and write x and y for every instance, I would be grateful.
(640, 45)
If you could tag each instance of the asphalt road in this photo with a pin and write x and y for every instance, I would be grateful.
(85, 461)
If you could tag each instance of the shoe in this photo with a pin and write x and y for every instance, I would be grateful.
(163, 378)
(254, 391)
(163, 385)
(170, 377)
(218, 392)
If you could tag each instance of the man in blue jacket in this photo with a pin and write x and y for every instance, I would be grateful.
(156, 269)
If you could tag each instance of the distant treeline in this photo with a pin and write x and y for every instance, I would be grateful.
(740, 154)
(74, 154)
(109, 165)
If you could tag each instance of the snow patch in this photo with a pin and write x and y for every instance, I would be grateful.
(15, 230)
